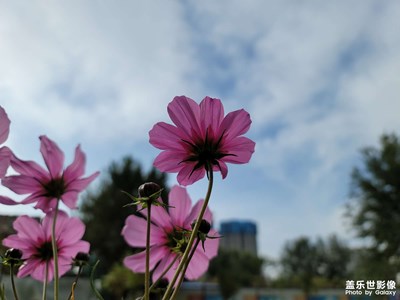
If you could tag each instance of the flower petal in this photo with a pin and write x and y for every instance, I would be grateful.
(77, 168)
(166, 136)
(29, 228)
(52, 155)
(29, 266)
(5, 156)
(169, 161)
(241, 149)
(7, 201)
(137, 262)
(160, 217)
(70, 232)
(163, 265)
(211, 113)
(70, 198)
(235, 123)
(187, 175)
(4, 125)
(222, 167)
(29, 168)
(198, 265)
(15, 241)
(194, 213)
(80, 184)
(46, 204)
(180, 203)
(21, 184)
(134, 232)
(70, 251)
(65, 264)
(211, 244)
(32, 198)
(185, 113)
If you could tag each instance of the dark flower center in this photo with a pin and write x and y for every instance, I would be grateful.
(178, 240)
(45, 251)
(55, 188)
(206, 153)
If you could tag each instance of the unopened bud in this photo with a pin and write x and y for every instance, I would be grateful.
(82, 256)
(13, 253)
(204, 227)
(12, 257)
(148, 189)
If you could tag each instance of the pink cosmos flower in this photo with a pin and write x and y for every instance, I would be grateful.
(45, 187)
(34, 240)
(202, 137)
(5, 153)
(167, 229)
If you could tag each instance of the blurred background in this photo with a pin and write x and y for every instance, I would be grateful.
(319, 201)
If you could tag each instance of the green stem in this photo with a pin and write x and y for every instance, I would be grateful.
(46, 274)
(92, 285)
(12, 282)
(55, 254)
(184, 269)
(147, 274)
(192, 237)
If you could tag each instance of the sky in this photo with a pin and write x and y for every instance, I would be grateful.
(320, 80)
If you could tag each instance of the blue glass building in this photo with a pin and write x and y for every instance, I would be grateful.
(239, 236)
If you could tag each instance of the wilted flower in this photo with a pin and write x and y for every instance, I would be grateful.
(34, 240)
(202, 140)
(46, 187)
(169, 233)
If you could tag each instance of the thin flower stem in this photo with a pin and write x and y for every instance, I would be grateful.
(12, 282)
(162, 275)
(46, 274)
(192, 236)
(55, 254)
(147, 274)
(184, 269)
(76, 280)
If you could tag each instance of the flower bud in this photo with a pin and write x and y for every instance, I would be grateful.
(148, 189)
(13, 253)
(12, 257)
(82, 256)
(204, 227)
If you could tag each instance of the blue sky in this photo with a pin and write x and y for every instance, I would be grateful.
(320, 79)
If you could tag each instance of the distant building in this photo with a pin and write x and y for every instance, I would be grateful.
(239, 236)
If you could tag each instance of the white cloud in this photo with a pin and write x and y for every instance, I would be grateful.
(92, 69)
(320, 80)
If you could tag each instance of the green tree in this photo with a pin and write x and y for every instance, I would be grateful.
(104, 213)
(300, 262)
(120, 281)
(308, 265)
(234, 270)
(335, 258)
(375, 205)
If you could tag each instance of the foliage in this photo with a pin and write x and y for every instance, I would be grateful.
(307, 264)
(234, 270)
(120, 281)
(104, 213)
(300, 261)
(375, 208)
(371, 266)
(335, 258)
